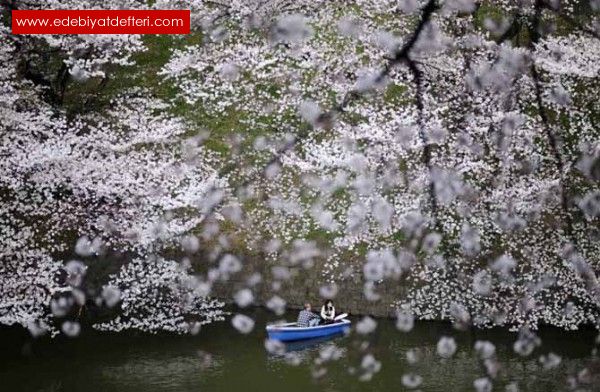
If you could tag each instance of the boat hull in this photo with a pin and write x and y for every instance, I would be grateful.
(288, 332)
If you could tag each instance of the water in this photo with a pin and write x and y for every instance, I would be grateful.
(106, 362)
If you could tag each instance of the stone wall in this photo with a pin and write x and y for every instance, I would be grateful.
(304, 286)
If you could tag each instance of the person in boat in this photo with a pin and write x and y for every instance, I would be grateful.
(306, 318)
(328, 312)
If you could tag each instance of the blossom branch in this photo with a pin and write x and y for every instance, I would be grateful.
(552, 140)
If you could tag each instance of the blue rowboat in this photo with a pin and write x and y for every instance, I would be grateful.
(289, 331)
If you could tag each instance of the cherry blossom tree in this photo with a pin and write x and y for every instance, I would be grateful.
(160, 295)
(119, 179)
(451, 146)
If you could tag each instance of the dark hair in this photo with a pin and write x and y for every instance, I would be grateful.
(327, 301)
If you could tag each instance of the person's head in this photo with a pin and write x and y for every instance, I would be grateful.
(328, 303)
(307, 306)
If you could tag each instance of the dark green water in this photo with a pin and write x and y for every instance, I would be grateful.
(104, 362)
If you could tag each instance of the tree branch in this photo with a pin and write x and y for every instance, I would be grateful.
(400, 56)
(552, 140)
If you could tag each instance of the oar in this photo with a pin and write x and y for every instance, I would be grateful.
(341, 316)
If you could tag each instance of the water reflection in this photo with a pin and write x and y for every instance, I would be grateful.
(313, 343)
(220, 359)
(143, 373)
